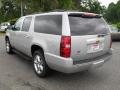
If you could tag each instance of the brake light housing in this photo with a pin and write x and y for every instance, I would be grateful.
(65, 46)
(89, 14)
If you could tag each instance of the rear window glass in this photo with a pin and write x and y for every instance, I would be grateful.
(87, 26)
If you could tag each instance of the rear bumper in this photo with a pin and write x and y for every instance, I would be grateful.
(66, 65)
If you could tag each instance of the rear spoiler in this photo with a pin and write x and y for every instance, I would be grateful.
(85, 15)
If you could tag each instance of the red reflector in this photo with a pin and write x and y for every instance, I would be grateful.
(65, 46)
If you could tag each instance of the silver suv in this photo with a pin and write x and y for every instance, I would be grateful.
(64, 41)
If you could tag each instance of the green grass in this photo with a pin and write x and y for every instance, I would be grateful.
(2, 33)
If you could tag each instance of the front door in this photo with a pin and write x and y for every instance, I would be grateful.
(14, 38)
(25, 36)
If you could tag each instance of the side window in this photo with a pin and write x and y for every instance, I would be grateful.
(49, 24)
(18, 24)
(26, 24)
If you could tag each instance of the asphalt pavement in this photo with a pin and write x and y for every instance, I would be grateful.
(16, 74)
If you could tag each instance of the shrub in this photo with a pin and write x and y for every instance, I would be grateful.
(12, 22)
(118, 26)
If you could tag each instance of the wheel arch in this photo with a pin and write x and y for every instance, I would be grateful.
(35, 47)
(6, 37)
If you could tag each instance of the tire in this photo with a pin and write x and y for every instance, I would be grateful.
(39, 65)
(8, 47)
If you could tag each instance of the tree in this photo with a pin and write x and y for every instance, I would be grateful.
(8, 10)
(34, 6)
(113, 12)
(109, 14)
(92, 6)
(66, 4)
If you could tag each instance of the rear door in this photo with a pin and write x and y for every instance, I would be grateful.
(48, 30)
(90, 37)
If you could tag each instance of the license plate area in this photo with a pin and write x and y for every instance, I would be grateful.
(95, 47)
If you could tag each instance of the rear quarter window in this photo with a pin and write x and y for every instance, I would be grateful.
(87, 26)
(48, 24)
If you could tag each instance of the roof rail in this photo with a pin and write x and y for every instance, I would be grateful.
(55, 10)
(62, 10)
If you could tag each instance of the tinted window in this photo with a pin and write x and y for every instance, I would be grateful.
(49, 24)
(26, 24)
(18, 24)
(87, 26)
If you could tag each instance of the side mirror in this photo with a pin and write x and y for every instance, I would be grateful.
(15, 28)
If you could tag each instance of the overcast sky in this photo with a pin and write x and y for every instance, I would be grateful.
(107, 2)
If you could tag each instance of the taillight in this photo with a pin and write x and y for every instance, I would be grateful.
(110, 41)
(65, 46)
